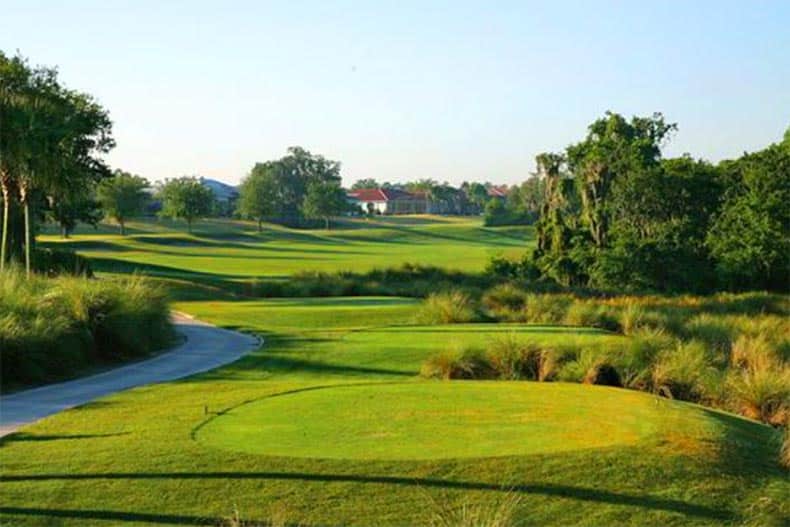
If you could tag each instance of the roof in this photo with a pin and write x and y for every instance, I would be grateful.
(380, 194)
(498, 192)
(222, 191)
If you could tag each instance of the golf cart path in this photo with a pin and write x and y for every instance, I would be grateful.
(206, 347)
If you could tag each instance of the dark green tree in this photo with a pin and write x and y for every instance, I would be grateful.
(323, 200)
(258, 194)
(185, 198)
(365, 183)
(51, 141)
(750, 236)
(123, 196)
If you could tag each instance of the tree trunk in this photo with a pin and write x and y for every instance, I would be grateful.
(326, 222)
(189, 226)
(64, 232)
(23, 197)
(260, 225)
(123, 227)
(6, 208)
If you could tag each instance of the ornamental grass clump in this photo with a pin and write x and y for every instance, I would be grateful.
(446, 308)
(546, 309)
(758, 381)
(685, 372)
(51, 328)
(458, 362)
(506, 302)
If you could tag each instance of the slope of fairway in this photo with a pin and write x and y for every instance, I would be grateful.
(436, 420)
(225, 250)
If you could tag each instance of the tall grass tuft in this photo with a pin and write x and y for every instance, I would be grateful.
(457, 363)
(446, 308)
(506, 302)
(494, 512)
(546, 309)
(684, 372)
(587, 313)
(759, 381)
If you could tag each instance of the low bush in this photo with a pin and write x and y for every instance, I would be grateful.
(446, 308)
(51, 328)
(784, 453)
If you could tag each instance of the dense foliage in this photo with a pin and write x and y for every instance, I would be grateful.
(278, 190)
(617, 216)
(53, 328)
(51, 140)
(185, 198)
(123, 196)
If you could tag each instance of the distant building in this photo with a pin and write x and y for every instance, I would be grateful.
(388, 201)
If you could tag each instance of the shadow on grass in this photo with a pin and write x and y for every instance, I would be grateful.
(110, 516)
(570, 492)
(24, 436)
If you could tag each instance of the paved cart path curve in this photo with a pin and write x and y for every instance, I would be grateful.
(206, 347)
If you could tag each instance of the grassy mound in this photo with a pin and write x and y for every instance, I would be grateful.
(429, 420)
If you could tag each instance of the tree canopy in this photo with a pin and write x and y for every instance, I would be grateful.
(51, 142)
(185, 198)
(123, 196)
(616, 215)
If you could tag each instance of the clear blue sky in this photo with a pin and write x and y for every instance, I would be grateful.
(449, 90)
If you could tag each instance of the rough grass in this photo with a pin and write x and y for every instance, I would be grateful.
(56, 328)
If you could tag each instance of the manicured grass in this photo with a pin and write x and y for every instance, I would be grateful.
(445, 420)
(575, 454)
(233, 251)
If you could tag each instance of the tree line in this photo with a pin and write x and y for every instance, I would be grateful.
(617, 215)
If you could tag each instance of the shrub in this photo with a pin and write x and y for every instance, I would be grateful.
(446, 308)
(457, 363)
(784, 453)
(547, 309)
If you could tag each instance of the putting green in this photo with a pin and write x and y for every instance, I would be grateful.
(432, 420)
